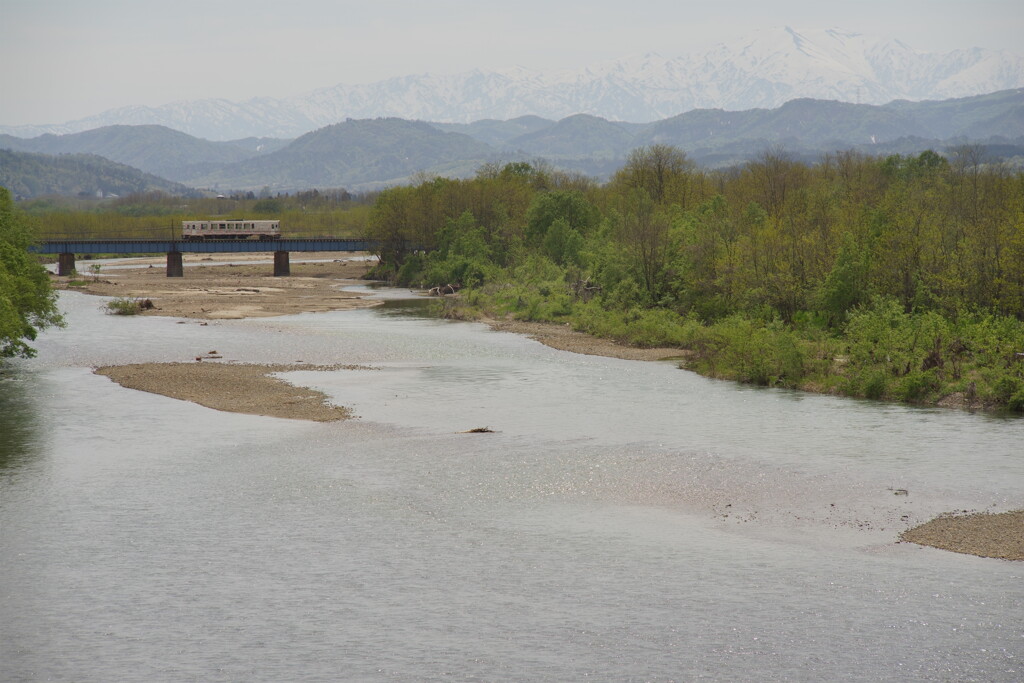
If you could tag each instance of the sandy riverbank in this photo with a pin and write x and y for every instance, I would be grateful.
(212, 290)
(565, 338)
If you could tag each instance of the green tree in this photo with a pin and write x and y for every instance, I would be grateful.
(569, 206)
(392, 223)
(27, 303)
(563, 243)
(643, 231)
(662, 171)
(846, 285)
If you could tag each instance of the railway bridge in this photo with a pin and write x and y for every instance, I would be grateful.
(67, 248)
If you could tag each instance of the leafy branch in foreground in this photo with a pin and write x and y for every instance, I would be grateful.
(27, 302)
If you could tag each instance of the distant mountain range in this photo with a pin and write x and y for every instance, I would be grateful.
(369, 154)
(762, 71)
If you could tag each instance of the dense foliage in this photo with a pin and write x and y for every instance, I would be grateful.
(27, 303)
(898, 278)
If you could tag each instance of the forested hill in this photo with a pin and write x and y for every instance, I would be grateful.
(374, 153)
(355, 154)
(804, 128)
(28, 175)
(153, 149)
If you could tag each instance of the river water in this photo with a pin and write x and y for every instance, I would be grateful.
(624, 521)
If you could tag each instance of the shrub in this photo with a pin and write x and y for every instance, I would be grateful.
(124, 306)
(875, 385)
(1005, 388)
(746, 350)
(411, 271)
(1016, 402)
(916, 386)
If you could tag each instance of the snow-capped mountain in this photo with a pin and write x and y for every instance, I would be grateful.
(762, 71)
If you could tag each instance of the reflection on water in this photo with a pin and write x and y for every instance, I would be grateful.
(421, 307)
(626, 521)
(20, 425)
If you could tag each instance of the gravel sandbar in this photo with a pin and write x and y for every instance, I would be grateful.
(233, 387)
(999, 535)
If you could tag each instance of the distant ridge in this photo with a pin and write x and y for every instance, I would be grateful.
(763, 71)
(29, 175)
(354, 154)
(155, 149)
(368, 154)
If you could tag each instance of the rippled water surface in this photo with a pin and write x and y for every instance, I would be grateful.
(625, 520)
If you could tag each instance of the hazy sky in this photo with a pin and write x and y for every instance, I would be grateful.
(66, 59)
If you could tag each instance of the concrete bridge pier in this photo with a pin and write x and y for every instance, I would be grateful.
(65, 263)
(282, 267)
(174, 264)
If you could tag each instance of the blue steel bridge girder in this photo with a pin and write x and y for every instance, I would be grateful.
(205, 247)
(67, 249)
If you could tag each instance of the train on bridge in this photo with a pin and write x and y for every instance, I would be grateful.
(242, 229)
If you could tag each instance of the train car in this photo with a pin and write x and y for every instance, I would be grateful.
(242, 229)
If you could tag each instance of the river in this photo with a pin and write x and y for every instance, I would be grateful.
(625, 521)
